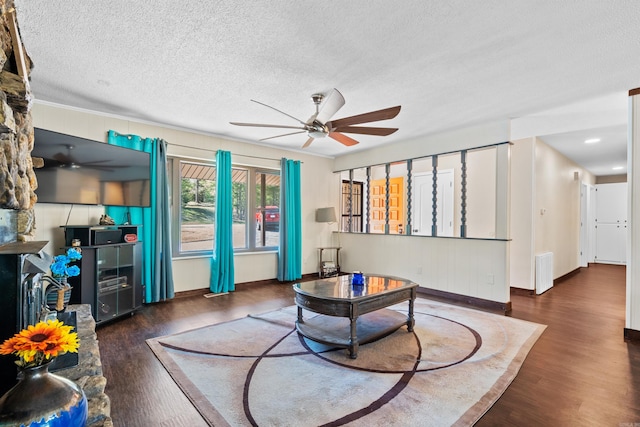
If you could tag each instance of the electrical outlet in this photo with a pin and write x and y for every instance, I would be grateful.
(419, 270)
(490, 279)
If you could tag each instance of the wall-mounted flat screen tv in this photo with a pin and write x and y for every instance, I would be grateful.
(86, 172)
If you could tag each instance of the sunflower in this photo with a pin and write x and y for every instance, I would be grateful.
(41, 343)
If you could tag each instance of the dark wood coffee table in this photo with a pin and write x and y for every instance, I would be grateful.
(337, 300)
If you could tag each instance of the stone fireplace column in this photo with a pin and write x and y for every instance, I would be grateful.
(17, 178)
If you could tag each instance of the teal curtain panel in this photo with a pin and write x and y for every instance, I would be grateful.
(290, 251)
(157, 272)
(222, 270)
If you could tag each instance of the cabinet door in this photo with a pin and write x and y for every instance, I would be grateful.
(107, 285)
(611, 203)
(611, 243)
(115, 281)
(126, 300)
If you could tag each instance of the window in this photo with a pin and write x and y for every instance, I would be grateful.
(239, 192)
(267, 209)
(351, 206)
(377, 199)
(255, 195)
(197, 210)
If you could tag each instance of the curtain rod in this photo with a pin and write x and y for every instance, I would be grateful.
(233, 154)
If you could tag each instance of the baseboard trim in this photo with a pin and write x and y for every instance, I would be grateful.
(467, 300)
(567, 276)
(631, 335)
(203, 291)
(522, 292)
(191, 293)
(558, 281)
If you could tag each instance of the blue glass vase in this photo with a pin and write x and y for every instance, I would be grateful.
(43, 399)
(357, 278)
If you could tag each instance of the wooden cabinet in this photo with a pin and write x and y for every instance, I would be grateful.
(110, 274)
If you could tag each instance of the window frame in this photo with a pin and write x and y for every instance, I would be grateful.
(350, 221)
(174, 166)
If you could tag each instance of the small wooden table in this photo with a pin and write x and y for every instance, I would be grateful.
(336, 299)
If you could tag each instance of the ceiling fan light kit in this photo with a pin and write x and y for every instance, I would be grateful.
(319, 124)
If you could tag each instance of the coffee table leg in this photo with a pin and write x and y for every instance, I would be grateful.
(353, 341)
(410, 320)
(300, 315)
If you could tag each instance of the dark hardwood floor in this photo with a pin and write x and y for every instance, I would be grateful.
(581, 372)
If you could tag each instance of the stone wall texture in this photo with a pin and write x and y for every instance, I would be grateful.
(17, 178)
(88, 372)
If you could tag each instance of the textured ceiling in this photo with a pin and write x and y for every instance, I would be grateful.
(197, 64)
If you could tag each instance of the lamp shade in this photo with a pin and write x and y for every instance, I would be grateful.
(326, 215)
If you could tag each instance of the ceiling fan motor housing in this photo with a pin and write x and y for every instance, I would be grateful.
(318, 130)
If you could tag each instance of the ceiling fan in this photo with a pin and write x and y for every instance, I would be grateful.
(68, 161)
(319, 124)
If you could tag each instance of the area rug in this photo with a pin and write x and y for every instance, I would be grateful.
(259, 371)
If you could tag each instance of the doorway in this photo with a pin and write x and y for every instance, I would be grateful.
(423, 204)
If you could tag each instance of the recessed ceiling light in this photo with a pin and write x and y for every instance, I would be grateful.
(591, 141)
(617, 168)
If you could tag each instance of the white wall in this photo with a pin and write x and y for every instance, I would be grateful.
(481, 194)
(522, 270)
(557, 208)
(476, 268)
(319, 188)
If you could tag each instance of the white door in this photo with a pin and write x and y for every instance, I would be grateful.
(611, 223)
(422, 215)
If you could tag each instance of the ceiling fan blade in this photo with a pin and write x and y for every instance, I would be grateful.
(281, 112)
(52, 163)
(308, 143)
(62, 158)
(366, 130)
(99, 165)
(97, 162)
(100, 168)
(372, 116)
(286, 134)
(331, 104)
(260, 125)
(343, 139)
